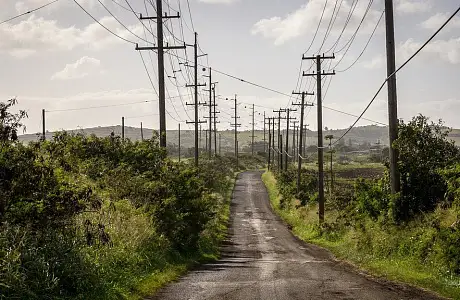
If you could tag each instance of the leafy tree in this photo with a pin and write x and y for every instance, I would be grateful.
(10, 123)
(424, 149)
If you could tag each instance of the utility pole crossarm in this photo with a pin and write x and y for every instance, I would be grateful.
(193, 122)
(316, 74)
(192, 85)
(314, 57)
(165, 16)
(156, 48)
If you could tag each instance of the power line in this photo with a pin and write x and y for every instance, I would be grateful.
(122, 38)
(28, 12)
(397, 70)
(331, 24)
(190, 13)
(351, 40)
(347, 20)
(125, 8)
(135, 14)
(153, 86)
(121, 23)
(101, 106)
(365, 47)
(317, 28)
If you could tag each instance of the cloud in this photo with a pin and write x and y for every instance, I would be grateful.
(25, 5)
(37, 34)
(79, 69)
(445, 50)
(305, 21)
(412, 6)
(218, 1)
(435, 21)
(376, 63)
(445, 109)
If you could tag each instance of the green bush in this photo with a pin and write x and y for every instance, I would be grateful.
(83, 217)
(424, 149)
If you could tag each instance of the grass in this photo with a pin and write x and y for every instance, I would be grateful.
(383, 253)
(179, 265)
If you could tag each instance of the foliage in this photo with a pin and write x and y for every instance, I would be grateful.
(10, 123)
(83, 217)
(423, 251)
(371, 198)
(452, 177)
(424, 149)
(287, 185)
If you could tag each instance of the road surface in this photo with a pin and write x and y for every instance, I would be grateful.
(261, 259)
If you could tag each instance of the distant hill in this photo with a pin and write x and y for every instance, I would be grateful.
(371, 134)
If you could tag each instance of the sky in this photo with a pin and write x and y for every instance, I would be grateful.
(61, 60)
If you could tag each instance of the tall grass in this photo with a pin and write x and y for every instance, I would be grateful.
(413, 253)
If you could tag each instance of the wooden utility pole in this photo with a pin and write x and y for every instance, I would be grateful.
(179, 142)
(305, 139)
(122, 128)
(236, 125)
(302, 105)
(195, 85)
(294, 139)
(287, 138)
(269, 141)
(215, 119)
(330, 137)
(209, 147)
(200, 139)
(280, 144)
(142, 133)
(395, 180)
(206, 134)
(43, 126)
(161, 67)
(265, 141)
(281, 150)
(273, 141)
(252, 136)
(212, 115)
(220, 144)
(319, 73)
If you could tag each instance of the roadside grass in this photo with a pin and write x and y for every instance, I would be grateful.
(392, 254)
(178, 265)
(346, 167)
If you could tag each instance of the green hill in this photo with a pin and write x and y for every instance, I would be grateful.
(360, 135)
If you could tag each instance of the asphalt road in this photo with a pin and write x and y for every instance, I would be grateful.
(261, 259)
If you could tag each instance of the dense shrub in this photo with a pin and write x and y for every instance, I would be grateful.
(83, 217)
(424, 149)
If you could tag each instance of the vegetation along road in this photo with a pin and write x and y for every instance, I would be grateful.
(261, 259)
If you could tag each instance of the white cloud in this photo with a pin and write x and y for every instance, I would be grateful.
(413, 6)
(24, 5)
(305, 21)
(218, 1)
(79, 69)
(446, 50)
(435, 21)
(376, 63)
(445, 109)
(37, 34)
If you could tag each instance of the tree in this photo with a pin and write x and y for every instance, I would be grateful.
(10, 123)
(424, 150)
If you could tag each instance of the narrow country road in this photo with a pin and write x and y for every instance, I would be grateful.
(261, 259)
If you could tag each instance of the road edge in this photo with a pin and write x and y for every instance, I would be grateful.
(347, 264)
